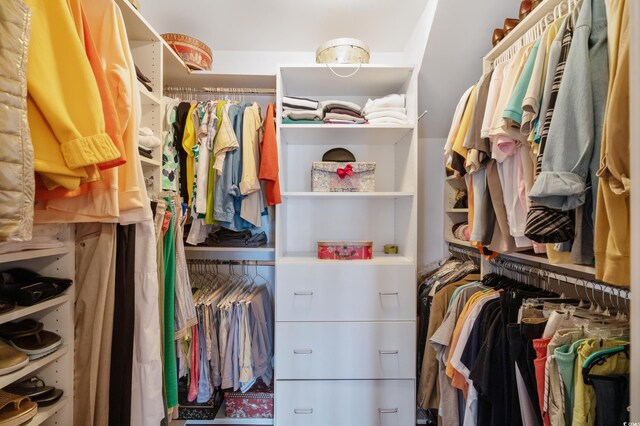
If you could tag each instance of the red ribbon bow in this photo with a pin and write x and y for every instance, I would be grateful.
(347, 171)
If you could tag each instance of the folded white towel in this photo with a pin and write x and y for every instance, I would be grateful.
(149, 141)
(301, 114)
(384, 109)
(389, 101)
(385, 114)
(333, 103)
(300, 103)
(388, 120)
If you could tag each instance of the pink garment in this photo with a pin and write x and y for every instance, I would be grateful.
(194, 370)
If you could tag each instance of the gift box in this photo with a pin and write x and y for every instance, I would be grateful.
(345, 250)
(256, 403)
(329, 176)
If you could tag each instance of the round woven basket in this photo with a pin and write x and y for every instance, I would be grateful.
(193, 52)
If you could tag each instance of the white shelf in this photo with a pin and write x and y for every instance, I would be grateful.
(214, 79)
(348, 195)
(33, 366)
(310, 258)
(150, 162)
(457, 210)
(263, 253)
(146, 97)
(23, 311)
(34, 254)
(44, 413)
(542, 260)
(459, 242)
(343, 134)
(138, 29)
(369, 80)
(173, 68)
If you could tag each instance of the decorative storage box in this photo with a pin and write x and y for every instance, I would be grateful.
(328, 176)
(343, 51)
(256, 403)
(345, 250)
(193, 52)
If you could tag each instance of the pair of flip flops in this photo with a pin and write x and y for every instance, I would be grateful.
(26, 288)
(36, 390)
(15, 409)
(29, 337)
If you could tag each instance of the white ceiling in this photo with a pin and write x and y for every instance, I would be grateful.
(286, 25)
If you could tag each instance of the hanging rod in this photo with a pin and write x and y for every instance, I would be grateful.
(222, 90)
(231, 262)
(465, 253)
(544, 273)
(535, 31)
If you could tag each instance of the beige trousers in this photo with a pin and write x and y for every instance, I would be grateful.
(95, 285)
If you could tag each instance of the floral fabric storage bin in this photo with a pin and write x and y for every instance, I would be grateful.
(328, 176)
(256, 403)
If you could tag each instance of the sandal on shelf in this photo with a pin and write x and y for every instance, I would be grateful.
(25, 327)
(11, 359)
(16, 410)
(48, 399)
(33, 387)
(6, 305)
(28, 287)
(38, 344)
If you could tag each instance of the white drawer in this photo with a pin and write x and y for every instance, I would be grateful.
(345, 403)
(345, 293)
(345, 350)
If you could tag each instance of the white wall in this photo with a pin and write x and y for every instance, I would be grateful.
(266, 62)
(431, 177)
(452, 61)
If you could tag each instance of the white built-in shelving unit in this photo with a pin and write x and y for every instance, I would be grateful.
(345, 330)
(56, 369)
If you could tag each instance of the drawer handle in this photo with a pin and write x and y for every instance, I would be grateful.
(388, 293)
(387, 410)
(395, 352)
(303, 410)
(303, 293)
(303, 351)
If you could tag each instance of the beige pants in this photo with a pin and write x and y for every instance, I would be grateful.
(95, 283)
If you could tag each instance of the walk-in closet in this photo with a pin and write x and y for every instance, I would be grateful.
(349, 213)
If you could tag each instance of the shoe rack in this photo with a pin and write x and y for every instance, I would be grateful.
(55, 369)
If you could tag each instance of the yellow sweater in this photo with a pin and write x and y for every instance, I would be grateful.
(64, 106)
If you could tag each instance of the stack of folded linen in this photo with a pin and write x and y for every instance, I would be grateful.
(147, 142)
(388, 110)
(342, 112)
(301, 111)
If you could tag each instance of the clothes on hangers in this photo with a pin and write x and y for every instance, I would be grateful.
(231, 345)
(231, 158)
(543, 137)
(510, 353)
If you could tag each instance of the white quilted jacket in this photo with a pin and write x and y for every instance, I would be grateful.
(17, 185)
